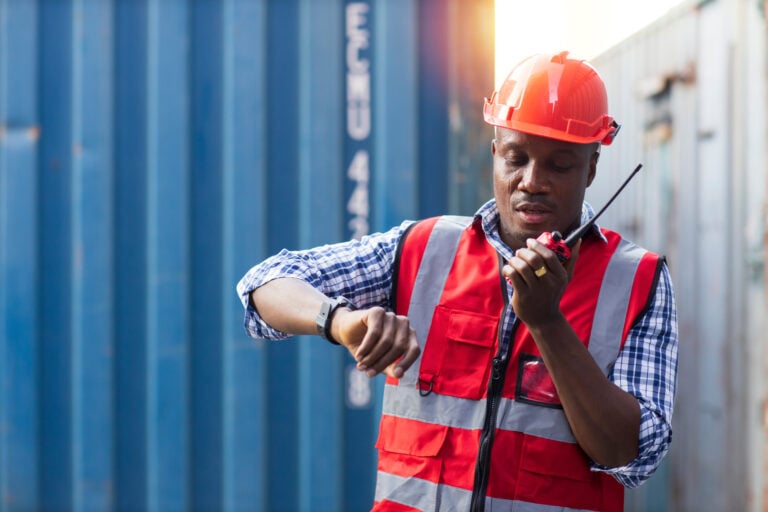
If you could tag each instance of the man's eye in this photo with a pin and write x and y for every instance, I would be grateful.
(515, 162)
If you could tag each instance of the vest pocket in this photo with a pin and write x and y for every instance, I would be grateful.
(410, 462)
(557, 473)
(458, 353)
(410, 437)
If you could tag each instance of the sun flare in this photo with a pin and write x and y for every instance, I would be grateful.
(585, 27)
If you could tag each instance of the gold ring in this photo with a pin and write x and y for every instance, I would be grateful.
(540, 271)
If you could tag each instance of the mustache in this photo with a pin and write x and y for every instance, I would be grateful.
(532, 200)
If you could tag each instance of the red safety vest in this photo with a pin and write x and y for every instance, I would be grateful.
(448, 281)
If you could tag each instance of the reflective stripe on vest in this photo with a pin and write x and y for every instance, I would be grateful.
(469, 414)
(424, 495)
(612, 303)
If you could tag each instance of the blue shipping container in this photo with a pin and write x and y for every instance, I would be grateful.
(151, 151)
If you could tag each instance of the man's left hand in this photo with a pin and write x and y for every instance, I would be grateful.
(539, 280)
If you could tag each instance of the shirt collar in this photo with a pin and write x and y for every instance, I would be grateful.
(488, 215)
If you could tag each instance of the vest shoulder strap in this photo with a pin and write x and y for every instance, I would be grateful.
(416, 237)
(647, 267)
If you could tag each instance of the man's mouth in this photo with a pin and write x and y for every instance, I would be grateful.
(534, 213)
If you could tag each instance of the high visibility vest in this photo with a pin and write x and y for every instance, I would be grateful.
(436, 424)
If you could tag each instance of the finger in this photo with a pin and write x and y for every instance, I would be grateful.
(522, 272)
(400, 339)
(534, 259)
(372, 321)
(378, 341)
(511, 274)
(410, 356)
(548, 257)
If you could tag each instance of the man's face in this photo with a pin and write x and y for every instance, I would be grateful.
(539, 184)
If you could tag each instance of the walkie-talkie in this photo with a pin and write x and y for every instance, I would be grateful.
(562, 248)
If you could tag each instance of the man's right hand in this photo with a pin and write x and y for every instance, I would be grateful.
(380, 341)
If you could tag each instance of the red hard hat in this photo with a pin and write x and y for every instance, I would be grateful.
(556, 97)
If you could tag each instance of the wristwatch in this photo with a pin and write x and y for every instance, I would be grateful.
(323, 320)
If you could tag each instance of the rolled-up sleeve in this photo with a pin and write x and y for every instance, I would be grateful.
(647, 369)
(272, 268)
(360, 270)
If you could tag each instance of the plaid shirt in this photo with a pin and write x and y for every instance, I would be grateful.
(361, 270)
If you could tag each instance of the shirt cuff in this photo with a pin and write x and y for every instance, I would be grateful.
(254, 325)
(654, 440)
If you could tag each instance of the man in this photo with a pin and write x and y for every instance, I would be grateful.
(514, 381)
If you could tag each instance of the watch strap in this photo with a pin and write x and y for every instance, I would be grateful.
(323, 319)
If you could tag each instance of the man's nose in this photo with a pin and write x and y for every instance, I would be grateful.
(533, 180)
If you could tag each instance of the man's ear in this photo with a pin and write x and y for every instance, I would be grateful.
(593, 165)
(493, 147)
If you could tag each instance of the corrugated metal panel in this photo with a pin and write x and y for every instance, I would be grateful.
(151, 152)
(691, 93)
(19, 272)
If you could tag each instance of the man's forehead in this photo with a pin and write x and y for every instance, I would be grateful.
(515, 140)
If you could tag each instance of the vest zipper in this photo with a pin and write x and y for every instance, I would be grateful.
(495, 387)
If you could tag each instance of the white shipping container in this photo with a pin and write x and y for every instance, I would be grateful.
(690, 93)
